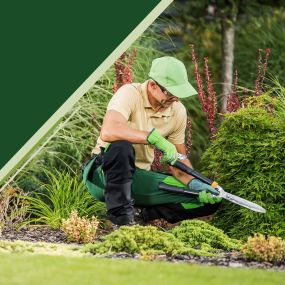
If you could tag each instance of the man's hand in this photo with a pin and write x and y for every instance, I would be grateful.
(205, 197)
(206, 192)
(168, 149)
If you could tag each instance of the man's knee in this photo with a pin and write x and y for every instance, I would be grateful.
(119, 162)
(121, 149)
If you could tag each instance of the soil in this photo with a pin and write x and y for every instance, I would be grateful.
(228, 259)
(34, 234)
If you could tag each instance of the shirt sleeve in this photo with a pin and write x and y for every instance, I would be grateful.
(178, 134)
(124, 100)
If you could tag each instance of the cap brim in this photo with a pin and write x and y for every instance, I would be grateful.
(182, 91)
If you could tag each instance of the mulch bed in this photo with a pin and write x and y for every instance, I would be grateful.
(229, 259)
(34, 234)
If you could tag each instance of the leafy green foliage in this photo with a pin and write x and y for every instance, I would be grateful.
(263, 31)
(279, 90)
(191, 237)
(247, 159)
(64, 194)
(199, 234)
(139, 239)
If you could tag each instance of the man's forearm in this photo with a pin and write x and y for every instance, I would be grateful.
(180, 175)
(120, 131)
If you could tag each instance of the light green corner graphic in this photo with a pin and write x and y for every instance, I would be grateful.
(30, 147)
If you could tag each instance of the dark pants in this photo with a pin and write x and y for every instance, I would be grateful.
(118, 164)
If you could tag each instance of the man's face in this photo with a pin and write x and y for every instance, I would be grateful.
(165, 97)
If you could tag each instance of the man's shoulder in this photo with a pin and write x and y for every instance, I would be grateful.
(127, 97)
(132, 88)
(178, 108)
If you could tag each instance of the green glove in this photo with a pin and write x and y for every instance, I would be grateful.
(168, 149)
(206, 192)
(205, 197)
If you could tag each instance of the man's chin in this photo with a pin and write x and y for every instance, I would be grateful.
(165, 104)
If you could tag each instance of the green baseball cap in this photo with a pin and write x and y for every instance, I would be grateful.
(171, 74)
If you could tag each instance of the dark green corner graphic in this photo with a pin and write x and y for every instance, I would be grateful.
(48, 49)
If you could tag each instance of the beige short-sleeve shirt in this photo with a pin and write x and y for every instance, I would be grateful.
(132, 102)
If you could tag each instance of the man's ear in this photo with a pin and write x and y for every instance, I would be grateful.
(152, 84)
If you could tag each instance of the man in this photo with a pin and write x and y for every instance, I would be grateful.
(139, 118)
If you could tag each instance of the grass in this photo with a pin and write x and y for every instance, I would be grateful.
(64, 194)
(39, 269)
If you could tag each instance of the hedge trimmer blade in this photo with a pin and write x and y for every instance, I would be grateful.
(240, 201)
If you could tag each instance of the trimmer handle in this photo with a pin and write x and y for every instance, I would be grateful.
(174, 189)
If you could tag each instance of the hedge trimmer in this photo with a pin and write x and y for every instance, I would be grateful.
(219, 191)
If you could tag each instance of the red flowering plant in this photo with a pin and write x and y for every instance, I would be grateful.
(123, 69)
(208, 100)
(233, 101)
(261, 70)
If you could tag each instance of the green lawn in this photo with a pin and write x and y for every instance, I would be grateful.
(24, 269)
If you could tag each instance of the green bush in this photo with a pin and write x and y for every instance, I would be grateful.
(279, 90)
(137, 239)
(191, 237)
(63, 194)
(143, 240)
(248, 160)
(199, 234)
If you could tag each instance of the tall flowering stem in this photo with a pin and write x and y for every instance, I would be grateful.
(199, 80)
(188, 136)
(209, 100)
(233, 101)
(123, 69)
(262, 66)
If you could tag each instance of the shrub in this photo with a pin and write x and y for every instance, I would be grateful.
(191, 237)
(137, 239)
(199, 234)
(247, 159)
(259, 248)
(279, 90)
(64, 194)
(80, 229)
(145, 240)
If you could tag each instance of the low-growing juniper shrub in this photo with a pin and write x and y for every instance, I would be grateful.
(201, 235)
(139, 239)
(149, 240)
